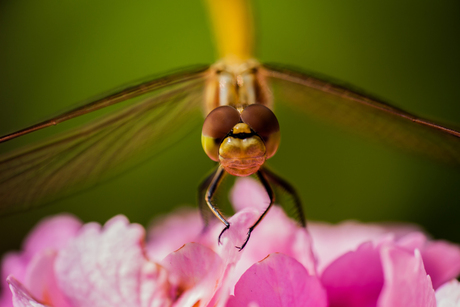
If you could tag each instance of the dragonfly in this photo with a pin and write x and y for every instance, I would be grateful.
(236, 96)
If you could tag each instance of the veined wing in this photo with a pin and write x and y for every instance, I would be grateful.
(364, 115)
(79, 158)
(111, 99)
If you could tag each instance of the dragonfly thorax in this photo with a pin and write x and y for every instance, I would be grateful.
(236, 84)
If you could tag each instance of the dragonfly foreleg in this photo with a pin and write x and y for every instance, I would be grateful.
(269, 190)
(204, 212)
(215, 181)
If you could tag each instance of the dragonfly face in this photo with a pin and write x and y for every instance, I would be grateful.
(241, 132)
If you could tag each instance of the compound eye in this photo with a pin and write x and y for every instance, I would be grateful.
(216, 126)
(264, 122)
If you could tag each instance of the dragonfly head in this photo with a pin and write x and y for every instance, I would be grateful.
(241, 142)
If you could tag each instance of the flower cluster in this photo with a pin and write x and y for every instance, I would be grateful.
(67, 264)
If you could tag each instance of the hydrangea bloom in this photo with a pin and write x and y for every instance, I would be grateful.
(67, 264)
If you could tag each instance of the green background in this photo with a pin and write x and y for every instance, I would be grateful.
(54, 54)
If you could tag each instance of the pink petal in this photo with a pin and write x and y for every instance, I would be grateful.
(21, 297)
(412, 241)
(52, 233)
(41, 281)
(355, 279)
(247, 192)
(331, 241)
(107, 267)
(440, 258)
(234, 236)
(195, 271)
(406, 282)
(169, 233)
(448, 295)
(12, 264)
(277, 234)
(442, 261)
(278, 280)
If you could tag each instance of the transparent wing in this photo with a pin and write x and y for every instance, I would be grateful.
(363, 114)
(114, 98)
(102, 148)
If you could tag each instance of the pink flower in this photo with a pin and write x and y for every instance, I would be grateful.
(67, 264)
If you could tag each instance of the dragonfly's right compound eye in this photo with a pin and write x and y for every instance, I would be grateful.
(216, 127)
(264, 122)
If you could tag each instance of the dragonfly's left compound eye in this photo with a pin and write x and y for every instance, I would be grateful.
(216, 126)
(264, 122)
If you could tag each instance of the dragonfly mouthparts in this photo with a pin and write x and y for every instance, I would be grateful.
(242, 167)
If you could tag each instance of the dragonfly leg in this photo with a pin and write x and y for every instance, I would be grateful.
(205, 214)
(211, 190)
(288, 188)
(268, 188)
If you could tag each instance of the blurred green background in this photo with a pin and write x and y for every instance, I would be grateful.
(54, 54)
